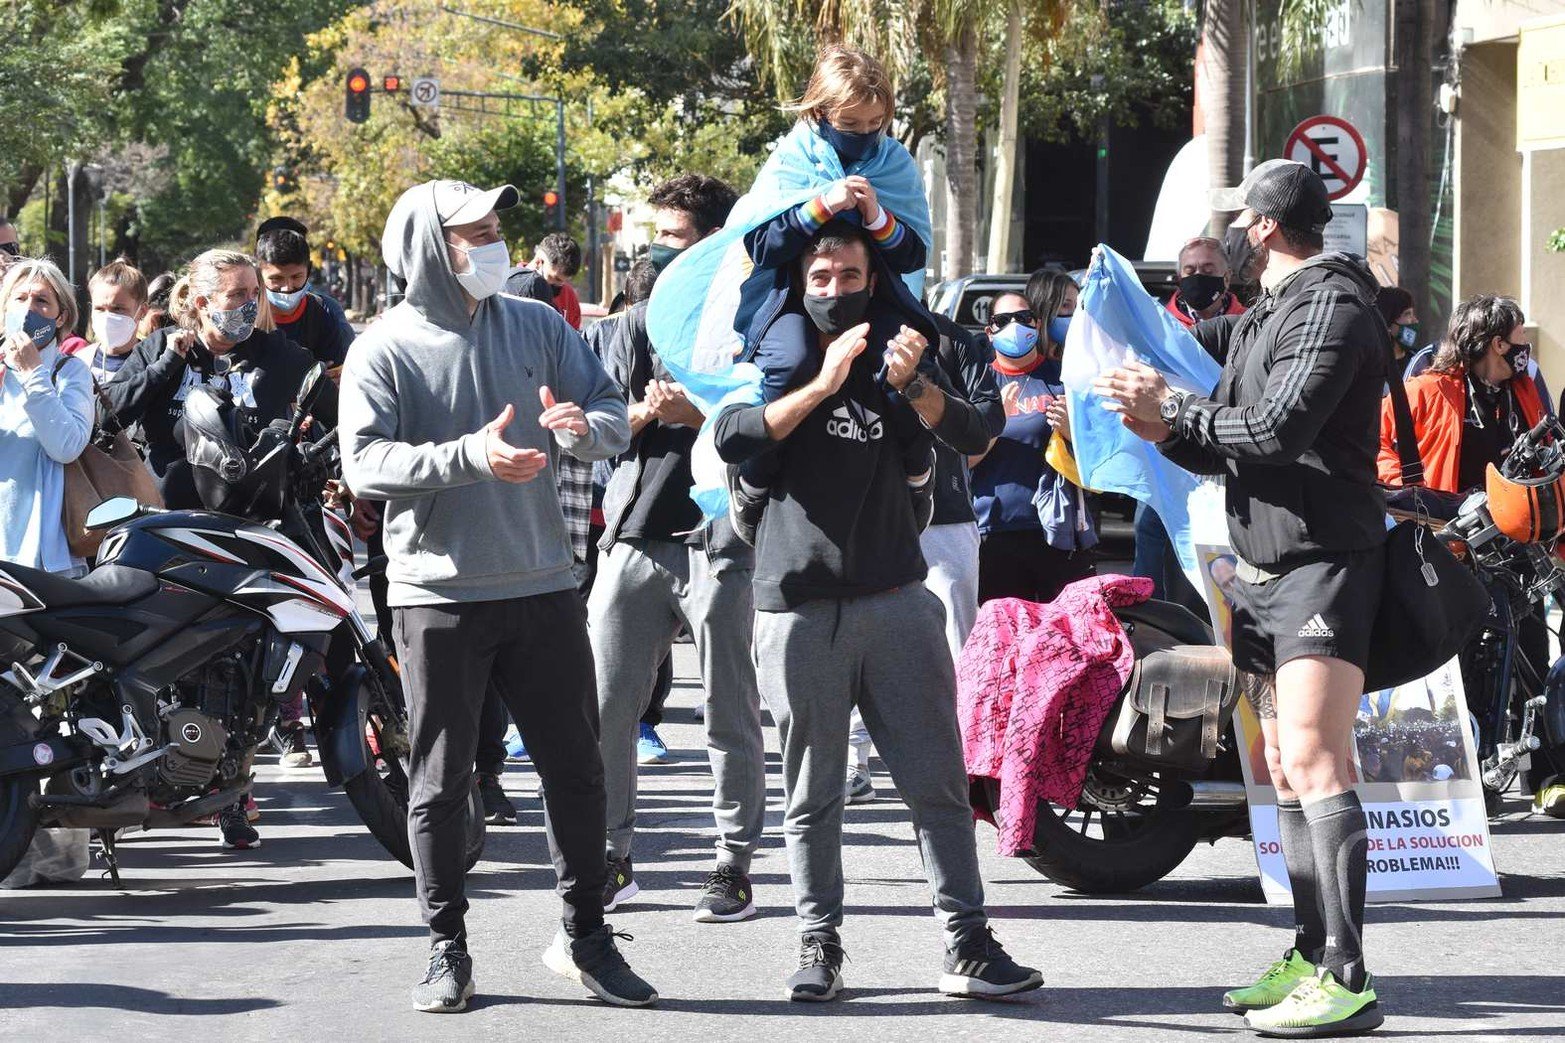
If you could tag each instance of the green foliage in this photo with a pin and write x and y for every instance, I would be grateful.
(1556, 243)
(1129, 61)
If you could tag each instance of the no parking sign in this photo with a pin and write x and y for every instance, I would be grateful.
(1331, 147)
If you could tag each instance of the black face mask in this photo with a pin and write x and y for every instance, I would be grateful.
(1200, 291)
(662, 256)
(851, 146)
(834, 315)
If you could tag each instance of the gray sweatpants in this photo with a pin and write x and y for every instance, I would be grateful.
(951, 551)
(886, 654)
(643, 591)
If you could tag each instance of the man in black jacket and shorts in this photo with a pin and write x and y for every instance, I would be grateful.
(1293, 426)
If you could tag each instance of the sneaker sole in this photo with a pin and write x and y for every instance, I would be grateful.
(1367, 1019)
(961, 985)
(297, 760)
(499, 818)
(556, 959)
(622, 896)
(441, 1008)
(862, 797)
(817, 997)
(659, 758)
(241, 847)
(712, 916)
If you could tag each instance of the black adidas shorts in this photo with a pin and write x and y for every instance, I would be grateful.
(1325, 608)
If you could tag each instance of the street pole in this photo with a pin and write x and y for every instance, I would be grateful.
(559, 156)
(70, 222)
(592, 229)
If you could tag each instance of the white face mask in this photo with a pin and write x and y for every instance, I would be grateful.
(487, 267)
(111, 329)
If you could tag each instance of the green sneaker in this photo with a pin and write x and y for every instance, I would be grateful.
(1320, 1006)
(1273, 986)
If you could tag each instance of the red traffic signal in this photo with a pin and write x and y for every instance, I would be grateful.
(551, 198)
(357, 105)
(391, 84)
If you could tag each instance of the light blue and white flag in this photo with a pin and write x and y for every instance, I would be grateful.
(1116, 321)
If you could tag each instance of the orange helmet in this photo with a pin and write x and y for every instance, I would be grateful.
(1526, 512)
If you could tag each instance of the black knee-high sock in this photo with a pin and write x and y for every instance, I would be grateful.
(1340, 834)
(1298, 854)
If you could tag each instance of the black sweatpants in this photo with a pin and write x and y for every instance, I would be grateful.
(1022, 565)
(535, 652)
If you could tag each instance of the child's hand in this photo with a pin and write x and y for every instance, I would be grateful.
(864, 197)
(841, 196)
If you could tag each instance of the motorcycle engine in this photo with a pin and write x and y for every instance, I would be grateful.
(196, 744)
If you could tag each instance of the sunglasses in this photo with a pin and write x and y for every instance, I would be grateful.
(1026, 318)
(11, 248)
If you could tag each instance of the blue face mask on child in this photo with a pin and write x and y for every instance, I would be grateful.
(851, 146)
(1015, 341)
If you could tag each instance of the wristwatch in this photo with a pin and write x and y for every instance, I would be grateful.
(1168, 409)
(916, 388)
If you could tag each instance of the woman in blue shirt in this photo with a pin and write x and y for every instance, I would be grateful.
(46, 415)
(1018, 556)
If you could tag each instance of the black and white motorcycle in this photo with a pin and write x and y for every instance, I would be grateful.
(138, 695)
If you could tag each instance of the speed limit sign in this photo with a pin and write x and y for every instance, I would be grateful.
(426, 92)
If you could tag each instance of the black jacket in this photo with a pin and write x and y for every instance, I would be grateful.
(266, 373)
(1295, 421)
(839, 521)
(972, 419)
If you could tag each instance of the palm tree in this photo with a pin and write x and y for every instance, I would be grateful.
(1225, 50)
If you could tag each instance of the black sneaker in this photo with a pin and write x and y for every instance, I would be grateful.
(238, 833)
(978, 967)
(819, 977)
(595, 962)
(498, 809)
(744, 509)
(726, 898)
(620, 885)
(448, 984)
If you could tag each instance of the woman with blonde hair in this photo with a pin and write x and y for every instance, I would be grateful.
(218, 339)
(46, 415)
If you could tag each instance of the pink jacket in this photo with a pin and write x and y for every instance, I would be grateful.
(1034, 686)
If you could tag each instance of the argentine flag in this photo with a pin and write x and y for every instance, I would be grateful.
(1116, 321)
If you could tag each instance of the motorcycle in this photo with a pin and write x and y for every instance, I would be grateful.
(137, 696)
(1136, 822)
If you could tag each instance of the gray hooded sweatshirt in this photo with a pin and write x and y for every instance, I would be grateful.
(418, 388)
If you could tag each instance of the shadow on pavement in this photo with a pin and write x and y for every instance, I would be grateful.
(30, 995)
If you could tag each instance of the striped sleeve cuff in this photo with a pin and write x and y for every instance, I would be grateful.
(885, 229)
(814, 213)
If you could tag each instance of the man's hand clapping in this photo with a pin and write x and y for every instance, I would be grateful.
(508, 462)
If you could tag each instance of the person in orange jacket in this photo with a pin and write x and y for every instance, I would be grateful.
(1472, 402)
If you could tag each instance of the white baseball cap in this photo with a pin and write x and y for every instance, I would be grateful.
(459, 203)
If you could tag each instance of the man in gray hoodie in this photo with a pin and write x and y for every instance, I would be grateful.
(452, 405)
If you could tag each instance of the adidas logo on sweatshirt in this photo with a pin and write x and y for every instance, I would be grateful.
(866, 427)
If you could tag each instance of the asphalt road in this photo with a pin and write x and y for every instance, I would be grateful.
(316, 937)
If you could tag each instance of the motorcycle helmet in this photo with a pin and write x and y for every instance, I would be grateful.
(1527, 511)
(236, 469)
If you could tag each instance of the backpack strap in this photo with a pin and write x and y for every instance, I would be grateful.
(1402, 415)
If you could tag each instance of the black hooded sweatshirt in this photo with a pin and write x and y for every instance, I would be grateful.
(1294, 423)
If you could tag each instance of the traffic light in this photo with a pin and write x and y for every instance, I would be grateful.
(551, 205)
(391, 84)
(281, 182)
(357, 107)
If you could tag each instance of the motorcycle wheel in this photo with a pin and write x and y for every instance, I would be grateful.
(380, 795)
(18, 818)
(1124, 835)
